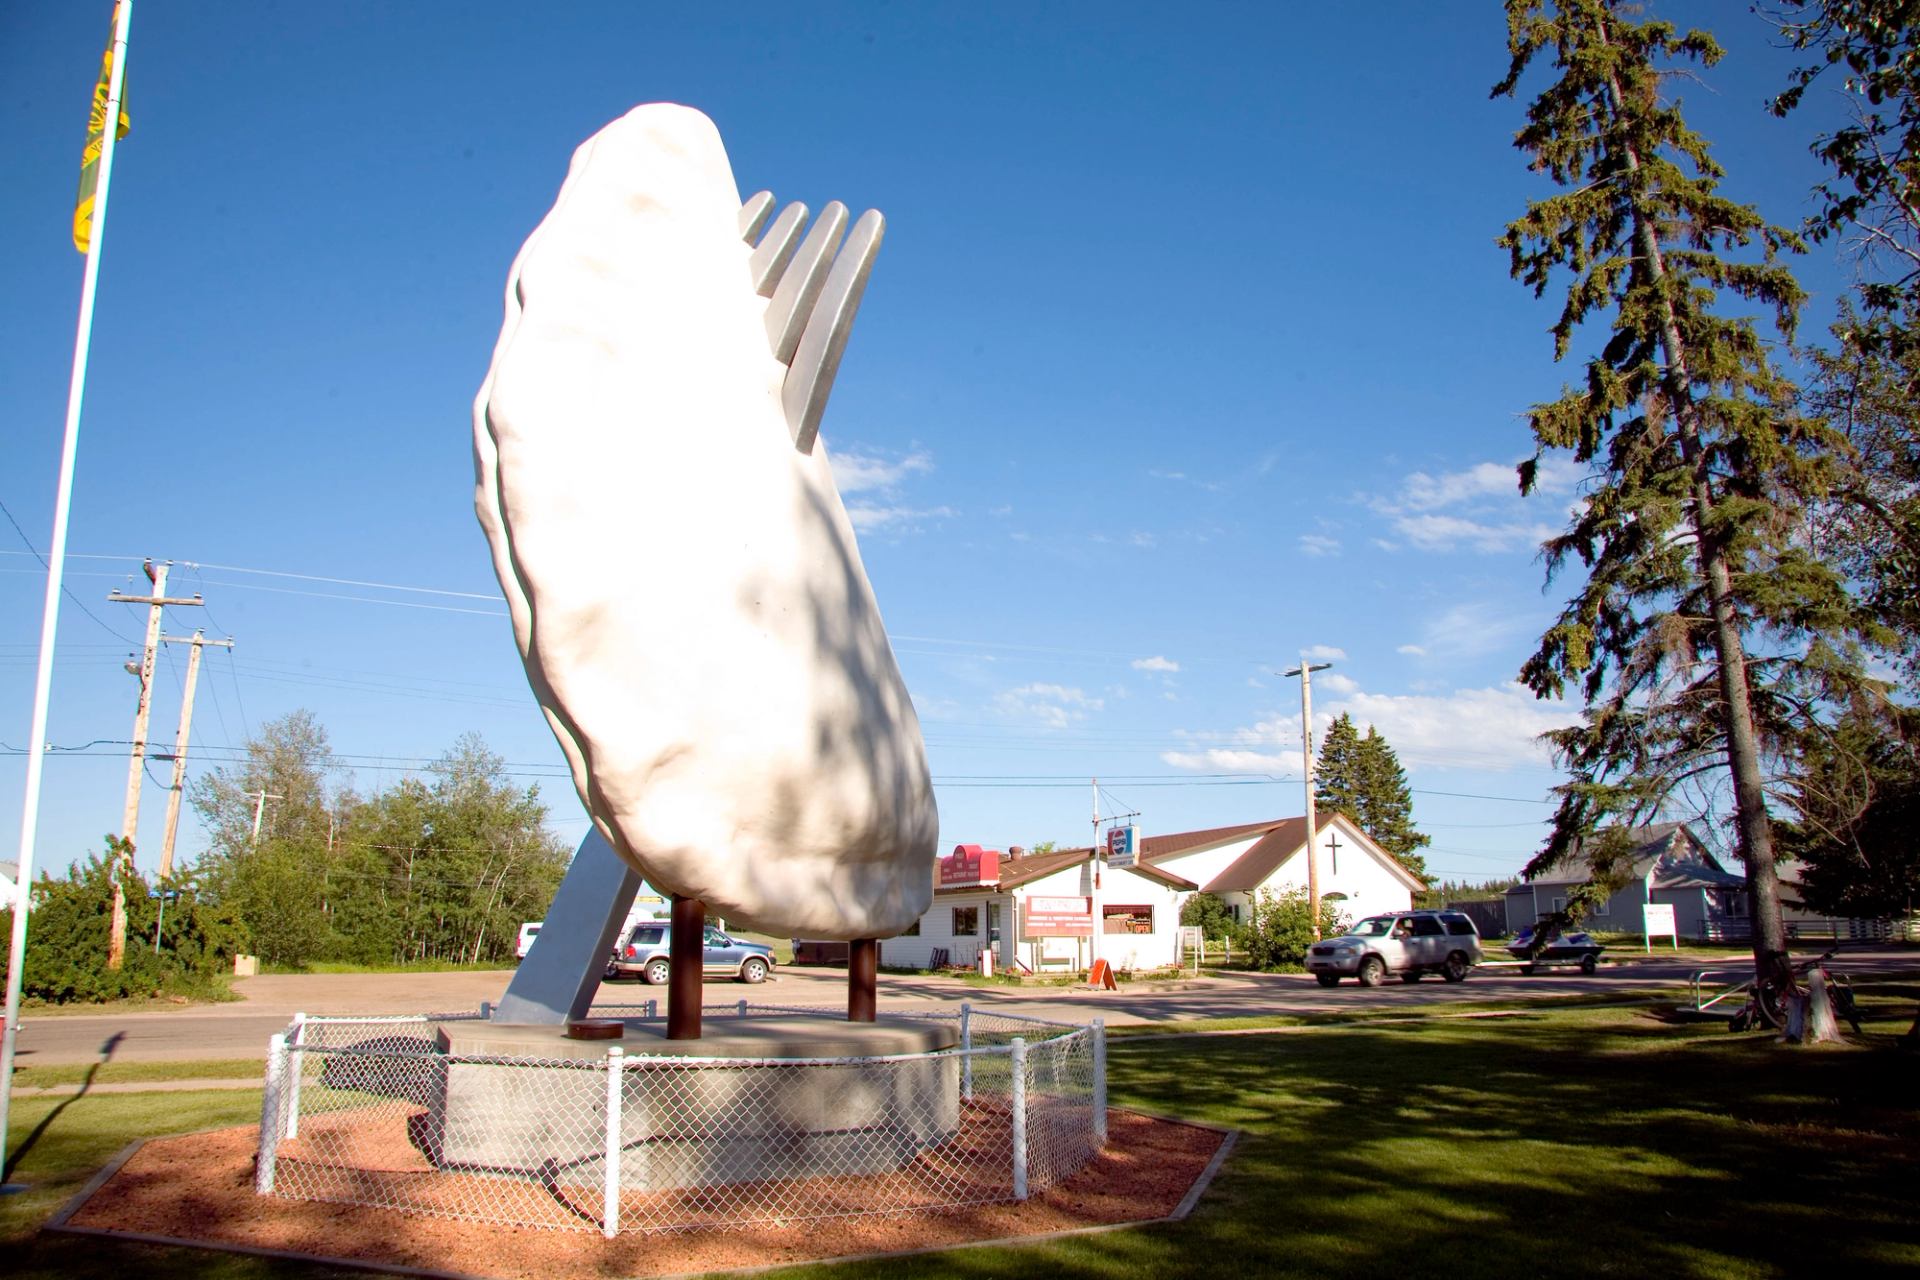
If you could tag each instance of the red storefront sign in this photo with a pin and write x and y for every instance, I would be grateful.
(1057, 917)
(970, 864)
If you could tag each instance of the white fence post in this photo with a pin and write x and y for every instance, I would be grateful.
(1019, 1118)
(296, 1060)
(1100, 1080)
(966, 1051)
(616, 1075)
(270, 1114)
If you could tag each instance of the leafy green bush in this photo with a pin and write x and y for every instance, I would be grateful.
(1210, 913)
(1282, 929)
(68, 932)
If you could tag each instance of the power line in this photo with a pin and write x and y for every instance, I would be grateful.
(64, 589)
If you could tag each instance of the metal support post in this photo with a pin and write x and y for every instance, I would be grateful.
(686, 963)
(1019, 1067)
(740, 1010)
(966, 1051)
(295, 1060)
(1099, 1080)
(616, 1075)
(270, 1114)
(863, 979)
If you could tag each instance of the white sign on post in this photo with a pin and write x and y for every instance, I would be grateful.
(1659, 917)
(1193, 942)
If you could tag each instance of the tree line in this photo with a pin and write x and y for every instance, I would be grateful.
(443, 867)
(1746, 544)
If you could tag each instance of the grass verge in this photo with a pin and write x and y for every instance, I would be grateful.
(1654, 1146)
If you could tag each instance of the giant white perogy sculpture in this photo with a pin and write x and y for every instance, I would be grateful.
(684, 583)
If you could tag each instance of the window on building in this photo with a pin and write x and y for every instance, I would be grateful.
(912, 930)
(966, 922)
(1600, 908)
(1127, 919)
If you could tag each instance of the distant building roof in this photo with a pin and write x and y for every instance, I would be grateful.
(1669, 852)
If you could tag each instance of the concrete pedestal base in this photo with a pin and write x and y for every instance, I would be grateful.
(539, 1108)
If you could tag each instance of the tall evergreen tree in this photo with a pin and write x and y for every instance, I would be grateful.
(1387, 803)
(1689, 529)
(1337, 782)
(1362, 778)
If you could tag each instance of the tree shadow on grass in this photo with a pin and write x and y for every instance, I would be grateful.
(19, 1153)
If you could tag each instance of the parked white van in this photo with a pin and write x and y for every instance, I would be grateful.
(528, 932)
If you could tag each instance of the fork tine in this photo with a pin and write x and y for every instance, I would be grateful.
(817, 360)
(753, 214)
(771, 255)
(793, 300)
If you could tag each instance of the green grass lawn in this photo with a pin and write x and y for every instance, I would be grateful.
(1605, 1142)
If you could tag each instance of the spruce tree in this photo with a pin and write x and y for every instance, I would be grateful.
(1387, 803)
(1688, 530)
(1362, 778)
(1336, 775)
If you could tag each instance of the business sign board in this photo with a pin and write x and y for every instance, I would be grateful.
(1659, 917)
(1123, 846)
(1057, 917)
(969, 864)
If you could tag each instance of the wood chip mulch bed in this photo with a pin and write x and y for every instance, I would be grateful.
(198, 1189)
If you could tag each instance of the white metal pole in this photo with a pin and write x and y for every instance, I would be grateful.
(1019, 1067)
(1313, 833)
(296, 1061)
(610, 1190)
(1099, 1036)
(1095, 904)
(966, 1051)
(56, 570)
(270, 1114)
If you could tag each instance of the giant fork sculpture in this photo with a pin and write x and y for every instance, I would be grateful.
(684, 583)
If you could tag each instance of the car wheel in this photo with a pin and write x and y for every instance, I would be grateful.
(1588, 964)
(754, 970)
(1412, 975)
(612, 973)
(1526, 968)
(1328, 979)
(1455, 969)
(657, 972)
(1373, 971)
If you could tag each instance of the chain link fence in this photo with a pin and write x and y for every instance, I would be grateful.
(375, 1111)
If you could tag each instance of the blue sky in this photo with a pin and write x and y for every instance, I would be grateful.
(1189, 348)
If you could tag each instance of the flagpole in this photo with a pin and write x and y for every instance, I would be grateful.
(56, 573)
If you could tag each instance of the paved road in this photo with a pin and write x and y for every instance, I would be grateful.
(241, 1029)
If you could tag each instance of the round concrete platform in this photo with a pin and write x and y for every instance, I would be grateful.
(752, 1037)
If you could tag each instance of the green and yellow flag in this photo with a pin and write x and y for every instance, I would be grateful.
(90, 158)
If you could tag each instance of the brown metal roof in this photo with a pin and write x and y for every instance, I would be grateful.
(1154, 848)
(1015, 872)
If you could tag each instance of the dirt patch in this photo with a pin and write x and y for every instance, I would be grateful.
(200, 1189)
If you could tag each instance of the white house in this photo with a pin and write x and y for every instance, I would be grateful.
(1668, 864)
(1036, 913)
(1036, 910)
(1239, 863)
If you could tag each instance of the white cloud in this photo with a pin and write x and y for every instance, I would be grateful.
(1053, 705)
(1140, 539)
(1316, 544)
(899, 519)
(1155, 663)
(863, 472)
(1225, 760)
(1491, 728)
(1472, 630)
(1338, 683)
(1326, 653)
(1412, 650)
(1431, 532)
(1422, 492)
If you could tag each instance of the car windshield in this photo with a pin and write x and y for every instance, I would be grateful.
(1372, 927)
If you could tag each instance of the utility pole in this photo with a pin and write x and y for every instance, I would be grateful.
(1305, 671)
(259, 799)
(130, 816)
(199, 641)
(1099, 857)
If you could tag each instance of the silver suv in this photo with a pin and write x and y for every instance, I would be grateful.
(647, 951)
(1412, 944)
